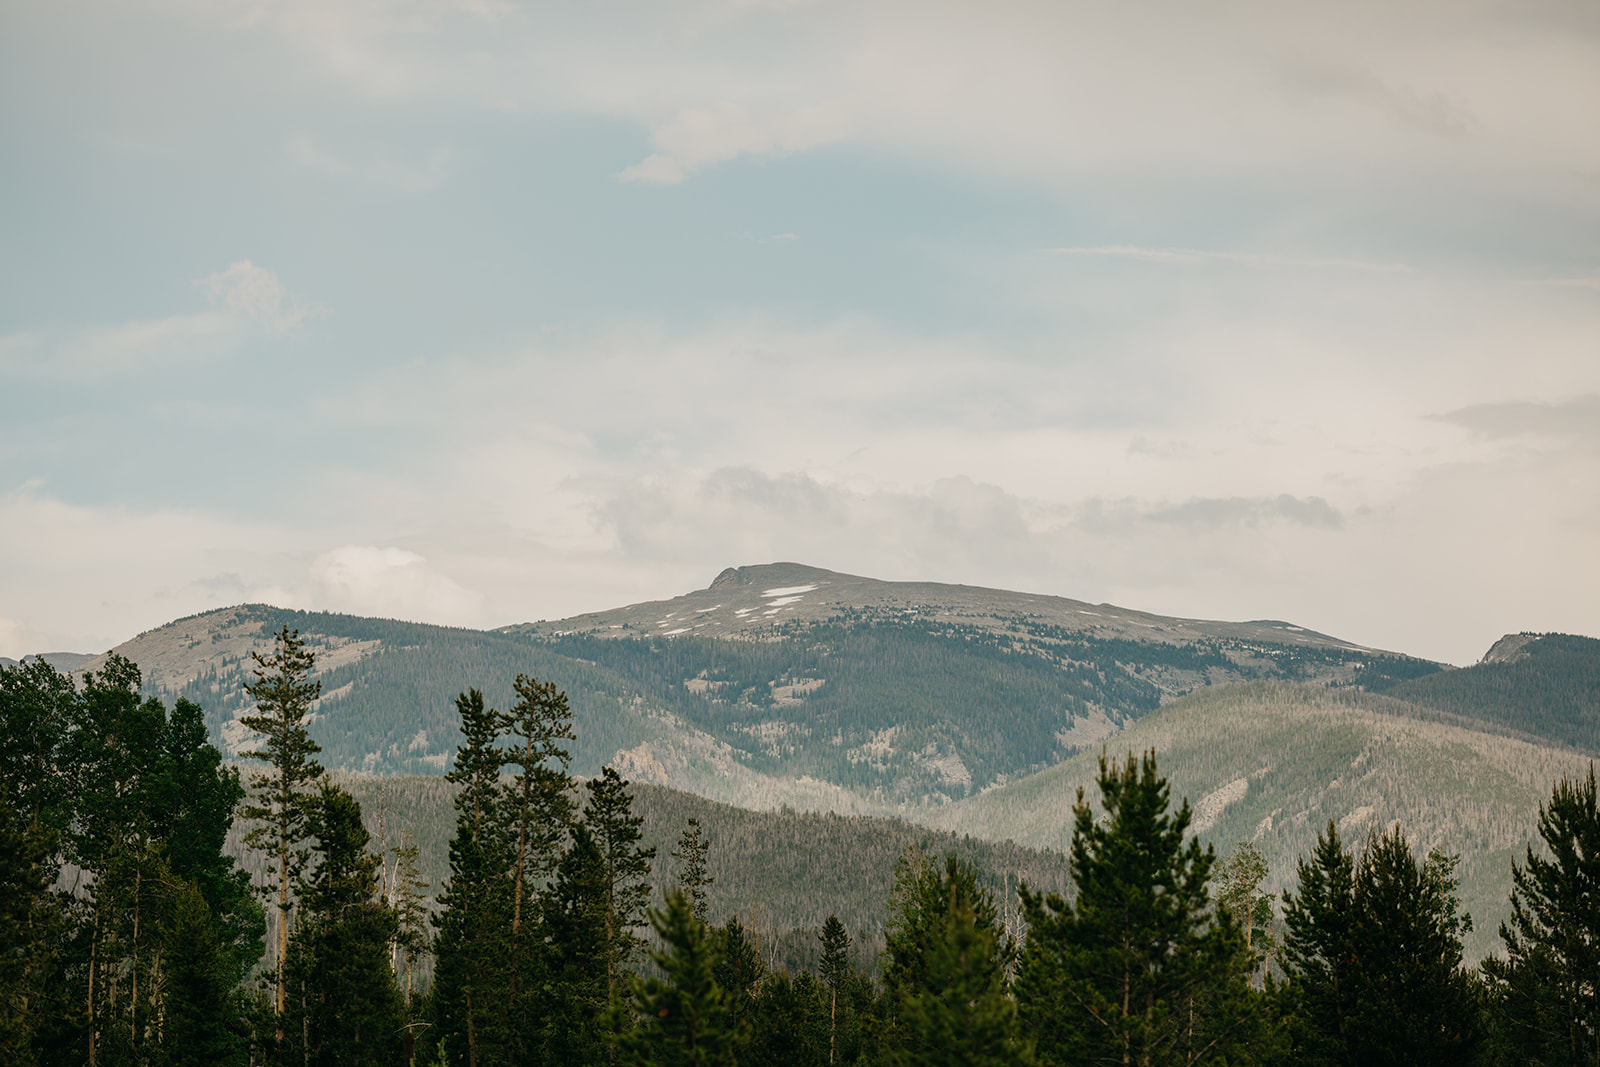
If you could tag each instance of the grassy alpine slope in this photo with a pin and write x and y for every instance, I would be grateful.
(1273, 763)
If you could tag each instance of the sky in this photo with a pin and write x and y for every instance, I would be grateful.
(476, 312)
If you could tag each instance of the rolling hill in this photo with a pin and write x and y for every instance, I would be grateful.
(1274, 763)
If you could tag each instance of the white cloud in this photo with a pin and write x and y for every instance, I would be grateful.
(390, 582)
(699, 137)
(255, 293)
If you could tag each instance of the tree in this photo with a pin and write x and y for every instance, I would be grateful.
(28, 926)
(947, 958)
(739, 970)
(345, 1000)
(834, 967)
(198, 989)
(578, 1009)
(1374, 945)
(411, 911)
(283, 693)
(1239, 894)
(539, 811)
(474, 918)
(1547, 988)
(1138, 968)
(610, 819)
(693, 878)
(684, 1015)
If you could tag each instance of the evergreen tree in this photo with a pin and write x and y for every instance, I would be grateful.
(626, 866)
(345, 1008)
(471, 983)
(283, 693)
(693, 877)
(788, 1027)
(1138, 969)
(198, 991)
(947, 962)
(577, 1005)
(1375, 948)
(739, 970)
(539, 810)
(28, 927)
(835, 966)
(411, 914)
(683, 1015)
(1547, 988)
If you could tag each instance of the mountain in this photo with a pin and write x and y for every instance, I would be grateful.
(61, 661)
(1274, 763)
(776, 684)
(1544, 685)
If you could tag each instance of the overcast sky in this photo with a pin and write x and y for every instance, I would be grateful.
(473, 312)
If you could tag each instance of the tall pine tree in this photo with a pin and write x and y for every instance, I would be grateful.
(1547, 988)
(626, 866)
(471, 982)
(283, 692)
(1138, 968)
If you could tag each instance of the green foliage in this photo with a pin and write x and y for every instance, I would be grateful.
(1138, 968)
(1239, 894)
(1546, 990)
(28, 928)
(626, 866)
(344, 1006)
(945, 967)
(1549, 691)
(1374, 949)
(684, 1015)
(579, 1021)
(283, 693)
(693, 877)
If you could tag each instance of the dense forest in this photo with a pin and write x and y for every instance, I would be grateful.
(1550, 689)
(561, 934)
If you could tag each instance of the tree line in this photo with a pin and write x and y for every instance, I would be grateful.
(128, 936)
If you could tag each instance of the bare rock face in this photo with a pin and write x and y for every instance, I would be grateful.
(1510, 648)
(730, 577)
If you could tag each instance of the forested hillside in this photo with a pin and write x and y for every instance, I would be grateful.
(781, 873)
(131, 937)
(1546, 685)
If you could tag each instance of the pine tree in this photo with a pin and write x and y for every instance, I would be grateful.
(1139, 968)
(1547, 988)
(684, 1016)
(345, 1008)
(29, 924)
(474, 919)
(1374, 946)
(739, 970)
(834, 968)
(577, 1008)
(610, 819)
(197, 1008)
(411, 913)
(693, 877)
(948, 957)
(283, 693)
(539, 810)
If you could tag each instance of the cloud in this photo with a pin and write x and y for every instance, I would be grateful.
(130, 348)
(1313, 512)
(698, 137)
(385, 173)
(255, 293)
(1579, 418)
(392, 583)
